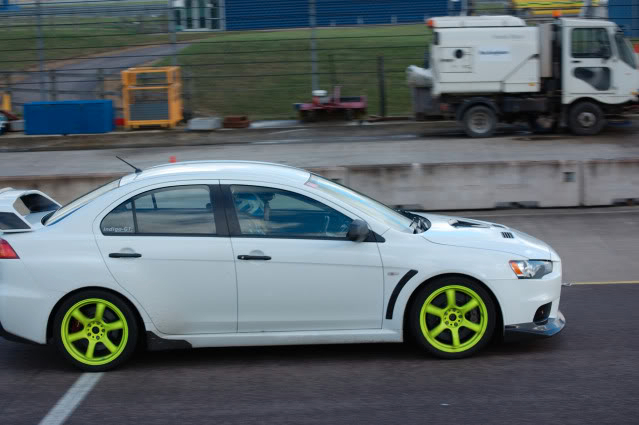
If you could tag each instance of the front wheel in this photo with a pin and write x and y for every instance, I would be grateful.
(95, 330)
(452, 318)
(586, 119)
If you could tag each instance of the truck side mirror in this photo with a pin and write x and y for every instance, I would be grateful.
(605, 52)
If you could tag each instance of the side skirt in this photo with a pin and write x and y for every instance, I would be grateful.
(247, 339)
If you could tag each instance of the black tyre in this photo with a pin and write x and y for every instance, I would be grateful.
(95, 330)
(452, 317)
(480, 121)
(586, 119)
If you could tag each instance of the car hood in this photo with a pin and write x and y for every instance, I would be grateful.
(465, 232)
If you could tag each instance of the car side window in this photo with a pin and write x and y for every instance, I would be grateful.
(178, 210)
(269, 212)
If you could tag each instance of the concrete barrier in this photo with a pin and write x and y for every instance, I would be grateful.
(466, 185)
(450, 186)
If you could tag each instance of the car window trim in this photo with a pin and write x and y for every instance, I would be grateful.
(234, 223)
(218, 211)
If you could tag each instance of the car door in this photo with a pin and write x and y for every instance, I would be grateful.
(587, 65)
(296, 270)
(168, 246)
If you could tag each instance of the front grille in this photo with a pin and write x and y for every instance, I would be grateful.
(542, 313)
(508, 235)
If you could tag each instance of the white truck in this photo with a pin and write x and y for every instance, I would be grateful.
(489, 69)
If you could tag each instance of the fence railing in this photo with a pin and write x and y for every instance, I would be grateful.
(244, 57)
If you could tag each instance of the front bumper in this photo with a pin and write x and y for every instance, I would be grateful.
(545, 329)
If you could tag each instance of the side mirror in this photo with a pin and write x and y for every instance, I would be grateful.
(358, 231)
(606, 53)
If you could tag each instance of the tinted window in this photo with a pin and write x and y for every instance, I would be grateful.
(180, 210)
(271, 212)
(120, 220)
(590, 43)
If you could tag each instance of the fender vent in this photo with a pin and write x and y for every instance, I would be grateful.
(508, 235)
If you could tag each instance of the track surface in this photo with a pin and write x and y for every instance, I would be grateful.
(587, 374)
(315, 146)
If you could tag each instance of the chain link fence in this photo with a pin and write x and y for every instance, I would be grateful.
(240, 57)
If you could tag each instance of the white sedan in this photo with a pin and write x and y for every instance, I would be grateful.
(216, 253)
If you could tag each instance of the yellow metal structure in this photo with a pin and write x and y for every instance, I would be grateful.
(546, 7)
(6, 102)
(152, 96)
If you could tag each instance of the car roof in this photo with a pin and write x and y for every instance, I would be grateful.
(226, 170)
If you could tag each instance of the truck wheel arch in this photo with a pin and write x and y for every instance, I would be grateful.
(466, 104)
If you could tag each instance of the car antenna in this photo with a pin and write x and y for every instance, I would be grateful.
(137, 170)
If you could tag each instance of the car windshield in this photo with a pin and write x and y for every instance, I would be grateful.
(375, 209)
(80, 202)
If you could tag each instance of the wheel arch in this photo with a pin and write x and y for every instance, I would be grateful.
(476, 101)
(54, 310)
(499, 325)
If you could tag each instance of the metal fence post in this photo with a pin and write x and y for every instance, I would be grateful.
(188, 96)
(43, 94)
(53, 87)
(101, 84)
(381, 81)
(313, 24)
(172, 33)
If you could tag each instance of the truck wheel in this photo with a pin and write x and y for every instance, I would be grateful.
(480, 121)
(586, 119)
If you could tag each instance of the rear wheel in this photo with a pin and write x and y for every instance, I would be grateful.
(480, 121)
(586, 119)
(95, 330)
(452, 318)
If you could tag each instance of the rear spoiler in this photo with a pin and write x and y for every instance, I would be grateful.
(11, 219)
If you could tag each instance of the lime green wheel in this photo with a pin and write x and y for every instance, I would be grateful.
(95, 330)
(452, 317)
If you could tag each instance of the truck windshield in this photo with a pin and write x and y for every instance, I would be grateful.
(624, 47)
(80, 202)
(367, 205)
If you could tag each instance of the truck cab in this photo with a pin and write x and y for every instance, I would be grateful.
(488, 69)
(598, 62)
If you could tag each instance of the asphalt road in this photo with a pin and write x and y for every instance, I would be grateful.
(81, 78)
(316, 147)
(587, 374)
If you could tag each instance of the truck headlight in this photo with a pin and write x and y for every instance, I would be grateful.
(531, 269)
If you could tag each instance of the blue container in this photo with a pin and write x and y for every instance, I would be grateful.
(69, 117)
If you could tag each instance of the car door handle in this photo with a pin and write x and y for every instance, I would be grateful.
(254, 257)
(576, 61)
(124, 255)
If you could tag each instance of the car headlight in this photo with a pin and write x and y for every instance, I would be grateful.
(531, 269)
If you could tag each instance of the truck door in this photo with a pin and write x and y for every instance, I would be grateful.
(587, 64)
(626, 75)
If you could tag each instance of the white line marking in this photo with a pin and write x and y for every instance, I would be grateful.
(72, 399)
(289, 131)
(612, 282)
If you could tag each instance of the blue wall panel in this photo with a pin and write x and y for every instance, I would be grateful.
(68, 117)
(254, 14)
(626, 14)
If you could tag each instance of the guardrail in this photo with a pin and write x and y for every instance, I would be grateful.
(447, 186)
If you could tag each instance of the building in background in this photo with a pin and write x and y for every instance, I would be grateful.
(6, 5)
(194, 15)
